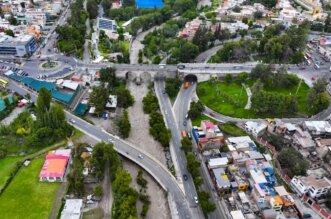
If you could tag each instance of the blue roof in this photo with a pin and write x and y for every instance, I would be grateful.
(33, 83)
(62, 97)
(149, 4)
(81, 109)
(3, 105)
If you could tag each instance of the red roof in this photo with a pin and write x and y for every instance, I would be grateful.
(54, 165)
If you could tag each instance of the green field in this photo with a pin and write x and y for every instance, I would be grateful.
(26, 197)
(232, 130)
(7, 165)
(209, 97)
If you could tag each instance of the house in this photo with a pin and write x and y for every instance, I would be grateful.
(221, 180)
(317, 128)
(72, 209)
(311, 185)
(256, 128)
(55, 165)
(242, 143)
(217, 162)
(208, 136)
(276, 203)
(237, 214)
(303, 139)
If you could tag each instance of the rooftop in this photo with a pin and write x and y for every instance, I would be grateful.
(18, 39)
(318, 126)
(312, 181)
(72, 209)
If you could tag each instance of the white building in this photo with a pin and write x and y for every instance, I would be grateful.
(310, 185)
(256, 128)
(112, 101)
(72, 209)
(218, 162)
(17, 46)
(317, 128)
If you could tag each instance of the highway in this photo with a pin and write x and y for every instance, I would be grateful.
(151, 165)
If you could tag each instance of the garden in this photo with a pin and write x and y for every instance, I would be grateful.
(279, 95)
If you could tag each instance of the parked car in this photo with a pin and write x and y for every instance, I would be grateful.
(72, 121)
(185, 177)
(196, 200)
(140, 156)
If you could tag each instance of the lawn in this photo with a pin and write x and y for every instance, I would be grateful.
(197, 121)
(209, 97)
(232, 130)
(7, 165)
(26, 197)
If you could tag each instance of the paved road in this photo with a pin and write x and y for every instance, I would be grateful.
(175, 141)
(152, 166)
(206, 55)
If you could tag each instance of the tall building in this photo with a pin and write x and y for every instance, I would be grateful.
(18, 46)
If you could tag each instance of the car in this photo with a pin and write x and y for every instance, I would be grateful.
(189, 135)
(110, 140)
(72, 121)
(185, 177)
(164, 92)
(184, 123)
(141, 156)
(196, 200)
(212, 114)
(180, 66)
(186, 116)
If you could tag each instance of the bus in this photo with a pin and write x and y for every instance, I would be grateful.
(3, 83)
(183, 133)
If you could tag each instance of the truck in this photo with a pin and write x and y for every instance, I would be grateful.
(186, 85)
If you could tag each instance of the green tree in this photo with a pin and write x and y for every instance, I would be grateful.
(192, 165)
(186, 144)
(262, 72)
(293, 162)
(98, 98)
(172, 86)
(92, 8)
(228, 78)
(123, 124)
(141, 181)
(205, 204)
(150, 103)
(43, 101)
(196, 109)
(12, 20)
(7, 103)
(9, 32)
(124, 98)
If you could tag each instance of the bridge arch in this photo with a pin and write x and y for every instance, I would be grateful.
(191, 78)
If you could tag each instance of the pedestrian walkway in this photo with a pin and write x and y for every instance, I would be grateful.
(249, 95)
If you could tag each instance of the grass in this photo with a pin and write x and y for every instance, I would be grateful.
(26, 197)
(209, 97)
(197, 121)
(96, 213)
(7, 165)
(232, 130)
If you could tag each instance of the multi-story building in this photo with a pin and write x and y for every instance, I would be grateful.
(315, 188)
(18, 46)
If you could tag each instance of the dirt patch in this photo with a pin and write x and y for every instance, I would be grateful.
(159, 207)
(139, 121)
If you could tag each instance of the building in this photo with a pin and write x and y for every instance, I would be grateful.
(55, 165)
(242, 143)
(221, 180)
(317, 128)
(18, 46)
(208, 136)
(218, 162)
(256, 128)
(108, 25)
(276, 203)
(237, 214)
(310, 185)
(111, 102)
(72, 209)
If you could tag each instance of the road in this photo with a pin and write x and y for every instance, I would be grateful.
(152, 166)
(171, 122)
(181, 108)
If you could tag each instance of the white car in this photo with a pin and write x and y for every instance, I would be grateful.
(140, 156)
(72, 121)
(196, 200)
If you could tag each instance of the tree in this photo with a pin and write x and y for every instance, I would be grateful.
(7, 103)
(196, 109)
(201, 38)
(43, 101)
(150, 103)
(12, 20)
(98, 98)
(228, 78)
(92, 8)
(127, 3)
(258, 15)
(98, 191)
(293, 162)
(172, 86)
(124, 98)
(186, 144)
(318, 99)
(141, 180)
(205, 204)
(192, 165)
(243, 76)
(123, 124)
(262, 72)
(9, 32)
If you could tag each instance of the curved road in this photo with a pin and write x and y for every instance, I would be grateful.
(151, 165)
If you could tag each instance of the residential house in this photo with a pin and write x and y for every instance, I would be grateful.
(256, 128)
(221, 180)
(55, 165)
(317, 128)
(242, 143)
(72, 209)
(310, 185)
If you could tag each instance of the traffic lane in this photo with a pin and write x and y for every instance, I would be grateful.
(188, 185)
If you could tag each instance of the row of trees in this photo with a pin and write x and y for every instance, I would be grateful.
(318, 98)
(125, 197)
(143, 197)
(157, 126)
(123, 124)
(71, 36)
